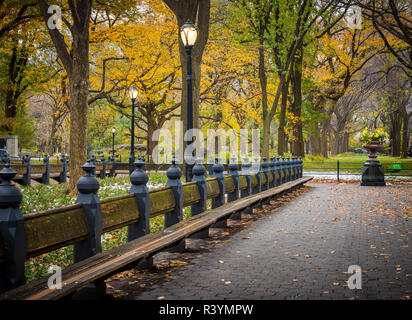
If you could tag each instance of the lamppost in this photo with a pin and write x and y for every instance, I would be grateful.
(114, 132)
(133, 95)
(188, 34)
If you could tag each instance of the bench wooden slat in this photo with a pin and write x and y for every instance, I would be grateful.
(55, 167)
(230, 185)
(212, 188)
(262, 179)
(37, 168)
(191, 194)
(253, 180)
(54, 229)
(270, 176)
(119, 212)
(161, 201)
(242, 182)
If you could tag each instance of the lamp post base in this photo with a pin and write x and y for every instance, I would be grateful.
(372, 174)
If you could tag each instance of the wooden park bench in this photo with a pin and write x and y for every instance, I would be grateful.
(56, 228)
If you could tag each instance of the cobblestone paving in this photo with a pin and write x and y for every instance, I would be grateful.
(303, 250)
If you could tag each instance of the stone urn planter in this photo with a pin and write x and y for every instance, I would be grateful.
(372, 170)
(373, 147)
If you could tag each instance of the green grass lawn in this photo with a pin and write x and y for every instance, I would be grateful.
(352, 163)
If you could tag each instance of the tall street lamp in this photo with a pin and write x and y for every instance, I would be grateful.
(133, 95)
(188, 34)
(113, 132)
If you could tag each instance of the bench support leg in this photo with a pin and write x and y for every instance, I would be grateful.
(202, 234)
(220, 224)
(145, 263)
(179, 247)
(236, 216)
(91, 291)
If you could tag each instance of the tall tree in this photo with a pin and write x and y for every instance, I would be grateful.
(74, 55)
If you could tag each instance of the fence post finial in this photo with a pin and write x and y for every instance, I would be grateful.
(174, 174)
(199, 171)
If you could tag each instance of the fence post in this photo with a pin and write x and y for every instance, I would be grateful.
(46, 175)
(102, 172)
(27, 175)
(218, 169)
(210, 167)
(257, 167)
(199, 171)
(88, 197)
(278, 171)
(300, 167)
(233, 170)
(112, 169)
(139, 180)
(272, 169)
(246, 172)
(286, 168)
(295, 168)
(283, 163)
(289, 168)
(88, 186)
(93, 161)
(174, 174)
(63, 174)
(265, 166)
(337, 171)
(12, 232)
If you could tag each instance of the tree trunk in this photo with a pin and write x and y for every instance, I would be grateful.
(395, 134)
(405, 120)
(335, 143)
(345, 142)
(314, 141)
(325, 135)
(297, 130)
(76, 64)
(52, 139)
(79, 91)
(282, 145)
(264, 97)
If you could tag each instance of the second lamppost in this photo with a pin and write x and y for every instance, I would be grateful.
(113, 132)
(188, 34)
(133, 95)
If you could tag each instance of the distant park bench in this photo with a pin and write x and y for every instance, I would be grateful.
(83, 223)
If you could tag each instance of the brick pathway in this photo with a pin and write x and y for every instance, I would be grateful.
(303, 250)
